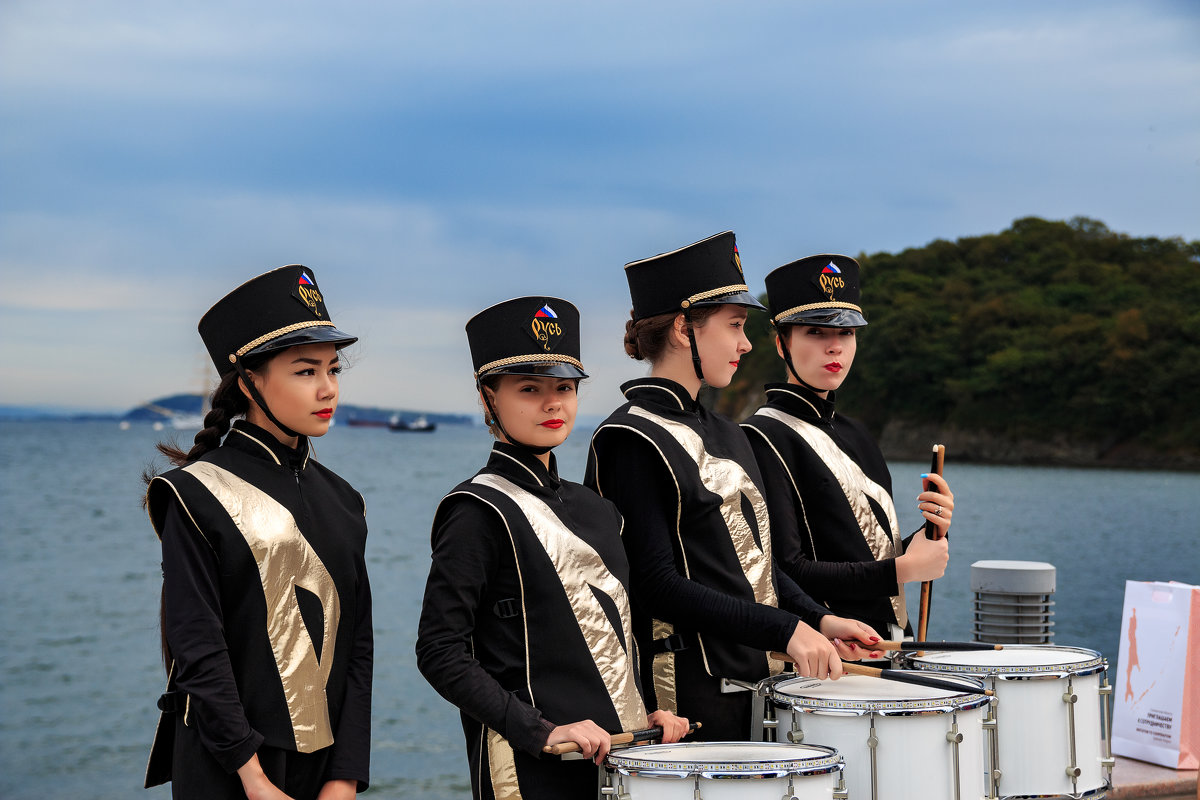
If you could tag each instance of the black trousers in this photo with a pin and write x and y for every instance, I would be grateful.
(197, 776)
(726, 715)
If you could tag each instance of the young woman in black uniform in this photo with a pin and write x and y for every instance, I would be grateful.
(829, 492)
(266, 603)
(708, 600)
(525, 624)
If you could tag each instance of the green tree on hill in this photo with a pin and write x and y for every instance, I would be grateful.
(1047, 329)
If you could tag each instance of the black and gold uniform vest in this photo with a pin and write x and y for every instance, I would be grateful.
(579, 659)
(842, 490)
(289, 536)
(722, 534)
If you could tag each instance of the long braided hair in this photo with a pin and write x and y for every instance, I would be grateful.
(228, 402)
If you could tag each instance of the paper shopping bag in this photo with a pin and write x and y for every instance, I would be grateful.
(1156, 708)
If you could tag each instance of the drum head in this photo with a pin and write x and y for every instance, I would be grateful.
(862, 694)
(725, 759)
(1014, 659)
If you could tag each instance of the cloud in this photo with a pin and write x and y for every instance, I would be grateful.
(429, 159)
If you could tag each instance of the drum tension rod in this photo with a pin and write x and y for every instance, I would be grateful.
(955, 737)
(1073, 771)
(1107, 761)
(991, 732)
(872, 744)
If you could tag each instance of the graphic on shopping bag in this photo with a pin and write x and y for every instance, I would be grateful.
(1132, 661)
(1151, 721)
(1156, 722)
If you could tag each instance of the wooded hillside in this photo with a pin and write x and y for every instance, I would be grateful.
(1047, 338)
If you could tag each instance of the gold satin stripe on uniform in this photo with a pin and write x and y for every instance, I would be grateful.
(580, 570)
(285, 560)
(728, 479)
(857, 488)
(663, 668)
(502, 766)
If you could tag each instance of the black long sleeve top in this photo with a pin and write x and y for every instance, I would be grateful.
(817, 540)
(498, 637)
(646, 494)
(207, 618)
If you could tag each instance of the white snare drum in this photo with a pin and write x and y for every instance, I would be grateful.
(900, 741)
(1052, 732)
(724, 771)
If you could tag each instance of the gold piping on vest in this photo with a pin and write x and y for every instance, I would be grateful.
(583, 572)
(502, 766)
(728, 479)
(857, 488)
(664, 668)
(285, 560)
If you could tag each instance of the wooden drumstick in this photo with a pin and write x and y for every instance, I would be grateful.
(931, 532)
(935, 646)
(628, 737)
(899, 675)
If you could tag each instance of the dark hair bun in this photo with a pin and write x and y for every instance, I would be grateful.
(631, 339)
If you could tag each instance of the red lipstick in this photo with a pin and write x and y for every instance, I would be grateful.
(324, 413)
(833, 366)
(553, 424)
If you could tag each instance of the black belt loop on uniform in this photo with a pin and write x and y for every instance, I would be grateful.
(172, 702)
(507, 608)
(671, 644)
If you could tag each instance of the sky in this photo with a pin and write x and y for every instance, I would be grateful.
(429, 159)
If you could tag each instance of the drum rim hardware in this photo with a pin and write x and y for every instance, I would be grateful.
(1014, 672)
(824, 760)
(896, 707)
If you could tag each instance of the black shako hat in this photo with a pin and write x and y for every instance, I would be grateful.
(708, 272)
(277, 310)
(526, 336)
(819, 290)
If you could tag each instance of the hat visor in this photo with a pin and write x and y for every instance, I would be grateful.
(826, 318)
(539, 369)
(318, 334)
(736, 299)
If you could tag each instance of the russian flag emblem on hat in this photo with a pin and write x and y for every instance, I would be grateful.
(831, 269)
(546, 312)
(305, 280)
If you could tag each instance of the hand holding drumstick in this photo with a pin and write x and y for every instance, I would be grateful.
(594, 742)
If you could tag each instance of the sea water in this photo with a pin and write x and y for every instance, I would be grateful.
(80, 577)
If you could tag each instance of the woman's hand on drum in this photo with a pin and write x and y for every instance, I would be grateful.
(924, 559)
(937, 505)
(593, 740)
(674, 727)
(813, 653)
(851, 639)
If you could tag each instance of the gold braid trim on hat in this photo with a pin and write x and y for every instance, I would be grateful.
(266, 337)
(532, 357)
(733, 289)
(810, 307)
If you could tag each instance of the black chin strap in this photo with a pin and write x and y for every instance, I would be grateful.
(258, 399)
(487, 401)
(687, 318)
(787, 359)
